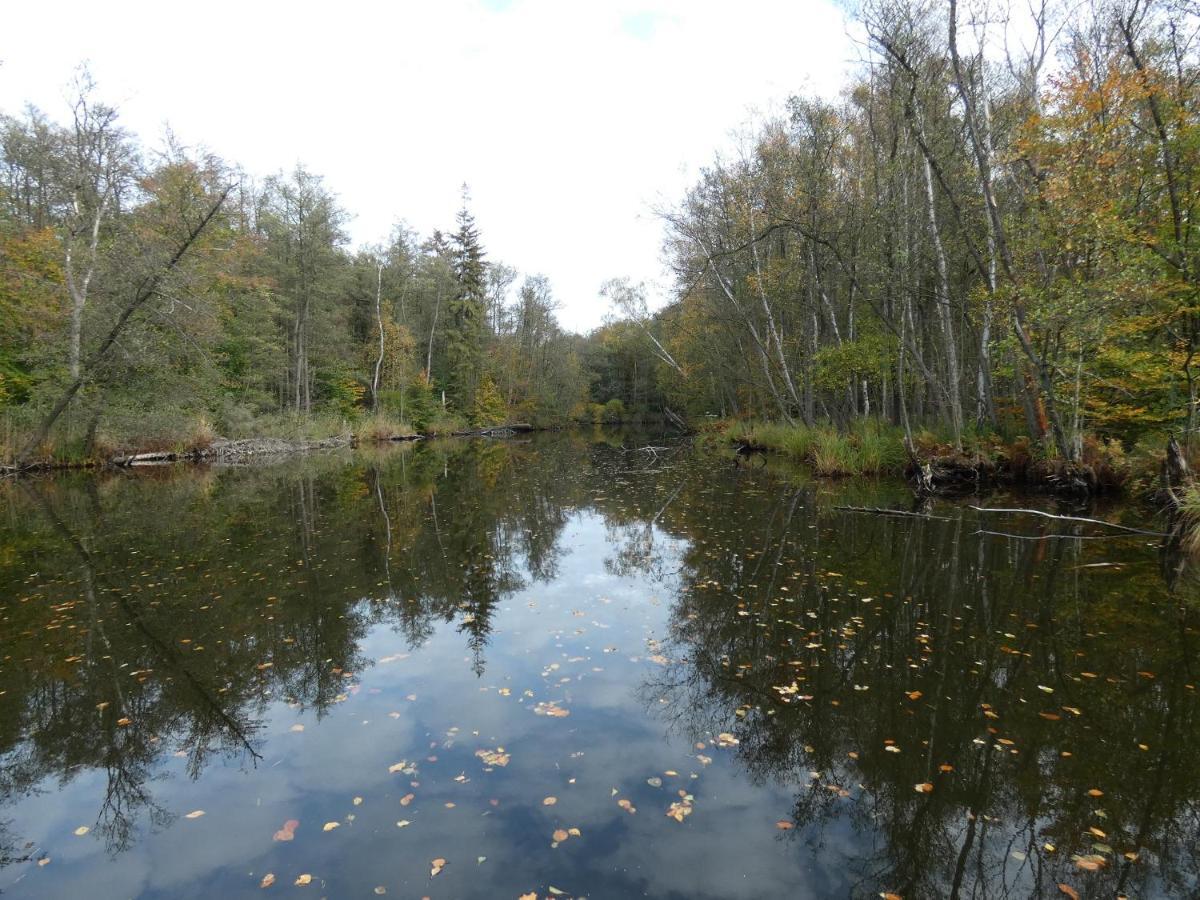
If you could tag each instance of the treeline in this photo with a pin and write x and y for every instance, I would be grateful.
(990, 232)
(267, 322)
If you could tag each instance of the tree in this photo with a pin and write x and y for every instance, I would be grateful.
(464, 332)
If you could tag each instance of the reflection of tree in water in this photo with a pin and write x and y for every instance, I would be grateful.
(971, 653)
(168, 613)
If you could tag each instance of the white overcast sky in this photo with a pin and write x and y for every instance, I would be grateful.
(569, 120)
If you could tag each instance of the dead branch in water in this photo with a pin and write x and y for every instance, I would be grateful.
(1046, 515)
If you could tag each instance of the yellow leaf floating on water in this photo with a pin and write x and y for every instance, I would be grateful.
(1095, 792)
(532, 895)
(1069, 891)
(357, 801)
(888, 895)
(303, 880)
(680, 809)
(406, 799)
(784, 825)
(495, 757)
(436, 866)
(267, 880)
(44, 861)
(194, 814)
(627, 806)
(549, 801)
(559, 836)
(329, 826)
(725, 739)
(81, 830)
(923, 788)
(403, 823)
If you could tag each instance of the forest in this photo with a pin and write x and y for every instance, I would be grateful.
(984, 241)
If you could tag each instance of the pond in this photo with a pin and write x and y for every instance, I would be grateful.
(568, 667)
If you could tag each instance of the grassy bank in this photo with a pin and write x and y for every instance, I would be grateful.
(74, 444)
(875, 448)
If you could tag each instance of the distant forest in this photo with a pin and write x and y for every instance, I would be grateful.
(988, 232)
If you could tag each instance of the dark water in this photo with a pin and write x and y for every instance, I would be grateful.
(729, 687)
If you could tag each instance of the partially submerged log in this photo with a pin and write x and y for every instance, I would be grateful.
(145, 459)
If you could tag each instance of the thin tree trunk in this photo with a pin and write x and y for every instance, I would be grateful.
(147, 290)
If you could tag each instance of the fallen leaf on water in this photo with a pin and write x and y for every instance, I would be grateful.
(560, 835)
(380, 889)
(436, 866)
(329, 826)
(627, 806)
(888, 895)
(407, 799)
(1090, 863)
(194, 814)
(923, 788)
(532, 895)
(1069, 891)
(1095, 792)
(725, 739)
(81, 830)
(124, 720)
(480, 860)
(303, 880)
(945, 767)
(357, 801)
(549, 801)
(654, 782)
(495, 757)
(680, 810)
(914, 695)
(288, 831)
(296, 728)
(44, 861)
(784, 825)
(267, 880)
(403, 823)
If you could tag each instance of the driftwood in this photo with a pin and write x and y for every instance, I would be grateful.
(1046, 515)
(496, 430)
(145, 459)
(1125, 529)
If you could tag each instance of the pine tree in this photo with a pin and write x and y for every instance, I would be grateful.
(464, 332)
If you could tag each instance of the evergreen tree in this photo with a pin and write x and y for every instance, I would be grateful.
(464, 331)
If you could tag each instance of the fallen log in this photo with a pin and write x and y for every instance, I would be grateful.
(143, 459)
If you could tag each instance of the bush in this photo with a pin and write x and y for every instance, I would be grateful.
(613, 412)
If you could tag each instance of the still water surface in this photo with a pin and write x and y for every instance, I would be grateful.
(555, 668)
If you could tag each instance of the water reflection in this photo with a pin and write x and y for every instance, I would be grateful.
(1039, 693)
